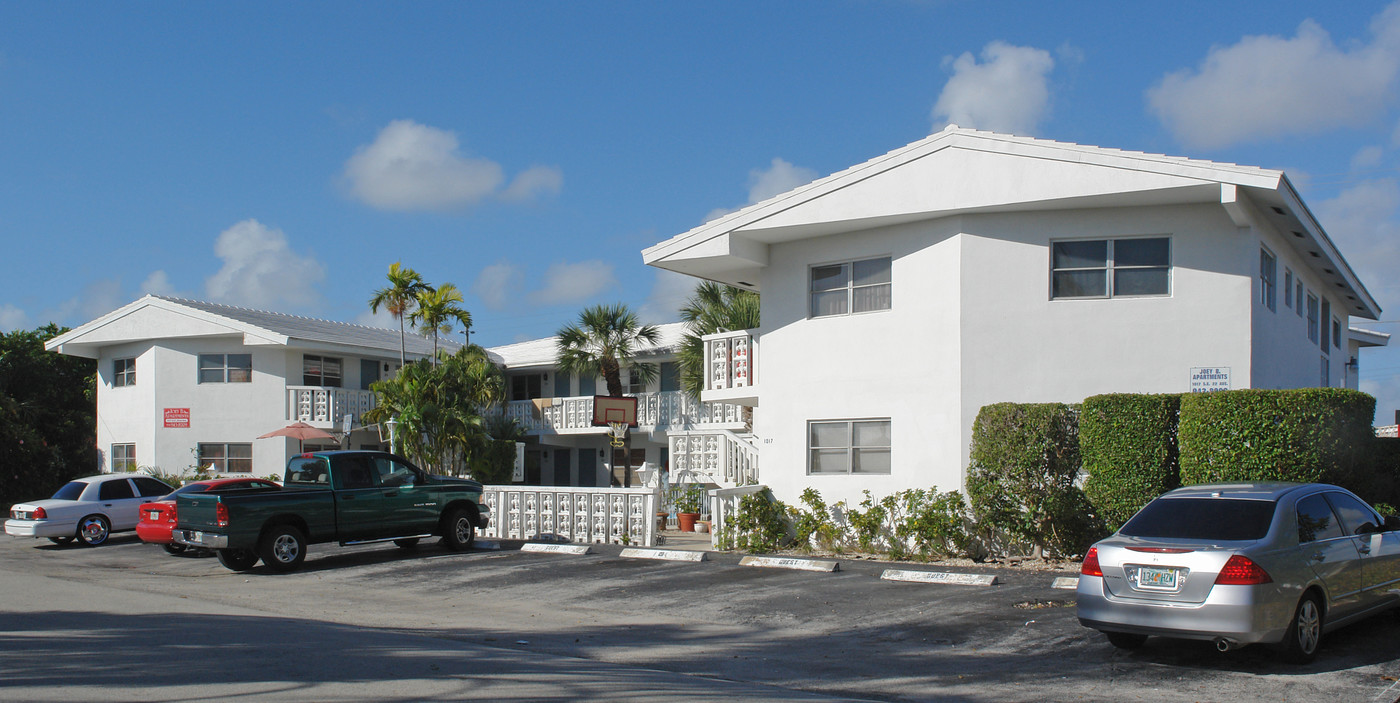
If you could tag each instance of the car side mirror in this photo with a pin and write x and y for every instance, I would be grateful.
(1367, 528)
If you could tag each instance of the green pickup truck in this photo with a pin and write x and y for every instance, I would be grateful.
(350, 497)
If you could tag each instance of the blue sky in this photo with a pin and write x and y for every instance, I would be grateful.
(281, 156)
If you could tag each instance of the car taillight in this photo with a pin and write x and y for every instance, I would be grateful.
(170, 514)
(1090, 567)
(1240, 570)
(39, 514)
(221, 515)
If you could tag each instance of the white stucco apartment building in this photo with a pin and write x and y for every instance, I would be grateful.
(183, 383)
(903, 294)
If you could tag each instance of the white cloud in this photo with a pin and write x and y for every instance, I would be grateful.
(158, 283)
(533, 182)
(498, 284)
(574, 283)
(411, 166)
(764, 183)
(382, 319)
(12, 318)
(1007, 92)
(1271, 86)
(261, 271)
(668, 293)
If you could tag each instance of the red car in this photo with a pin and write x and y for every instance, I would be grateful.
(158, 518)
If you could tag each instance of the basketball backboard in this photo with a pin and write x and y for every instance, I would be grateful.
(609, 409)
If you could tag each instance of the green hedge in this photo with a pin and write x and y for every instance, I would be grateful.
(1128, 443)
(1382, 481)
(495, 463)
(1309, 434)
(1024, 461)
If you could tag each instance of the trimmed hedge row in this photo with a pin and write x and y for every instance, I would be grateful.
(1129, 446)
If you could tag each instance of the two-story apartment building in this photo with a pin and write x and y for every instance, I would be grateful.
(902, 295)
(183, 383)
(565, 448)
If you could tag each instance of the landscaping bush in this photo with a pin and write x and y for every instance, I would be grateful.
(759, 525)
(1304, 435)
(494, 462)
(1023, 466)
(1129, 448)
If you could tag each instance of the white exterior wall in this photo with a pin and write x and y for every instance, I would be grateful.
(1284, 356)
(122, 412)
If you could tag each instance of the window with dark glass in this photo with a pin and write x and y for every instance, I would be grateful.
(1225, 519)
(1326, 318)
(323, 371)
(225, 368)
(526, 387)
(226, 458)
(1110, 268)
(848, 446)
(1336, 333)
(123, 372)
(1268, 273)
(851, 287)
(1353, 513)
(1312, 318)
(1316, 521)
(115, 490)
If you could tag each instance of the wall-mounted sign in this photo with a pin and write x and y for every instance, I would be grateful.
(1205, 379)
(177, 417)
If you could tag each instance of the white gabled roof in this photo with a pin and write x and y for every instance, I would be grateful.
(160, 317)
(958, 171)
(1368, 338)
(541, 353)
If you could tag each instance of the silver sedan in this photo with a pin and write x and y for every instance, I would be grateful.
(89, 509)
(1243, 563)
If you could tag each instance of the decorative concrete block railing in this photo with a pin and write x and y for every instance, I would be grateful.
(730, 360)
(316, 404)
(585, 515)
(724, 505)
(712, 456)
(670, 410)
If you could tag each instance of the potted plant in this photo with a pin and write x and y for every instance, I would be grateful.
(688, 499)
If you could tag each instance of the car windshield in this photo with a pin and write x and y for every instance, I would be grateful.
(70, 491)
(1215, 519)
(188, 489)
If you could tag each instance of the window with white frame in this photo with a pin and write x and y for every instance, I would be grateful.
(1268, 274)
(123, 457)
(225, 368)
(1287, 287)
(1110, 268)
(323, 371)
(1312, 318)
(123, 372)
(850, 287)
(837, 447)
(226, 458)
(635, 384)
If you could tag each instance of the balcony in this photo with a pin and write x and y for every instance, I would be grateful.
(326, 407)
(668, 411)
(731, 368)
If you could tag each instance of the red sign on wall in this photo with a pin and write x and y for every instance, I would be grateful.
(177, 417)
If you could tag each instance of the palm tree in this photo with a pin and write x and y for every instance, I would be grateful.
(437, 310)
(399, 298)
(713, 307)
(606, 338)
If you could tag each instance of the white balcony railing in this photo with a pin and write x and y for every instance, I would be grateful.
(312, 404)
(713, 456)
(667, 411)
(730, 360)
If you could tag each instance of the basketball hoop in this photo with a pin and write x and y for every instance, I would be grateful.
(618, 432)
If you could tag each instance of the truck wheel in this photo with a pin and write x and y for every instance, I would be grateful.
(282, 548)
(94, 530)
(458, 531)
(237, 559)
(408, 543)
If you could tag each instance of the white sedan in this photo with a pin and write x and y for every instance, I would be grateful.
(90, 509)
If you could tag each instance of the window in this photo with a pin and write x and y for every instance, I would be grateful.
(525, 387)
(323, 371)
(1298, 298)
(1226, 519)
(1312, 318)
(1326, 316)
(848, 446)
(149, 487)
(670, 376)
(123, 372)
(227, 458)
(635, 384)
(1326, 374)
(123, 457)
(1336, 333)
(1316, 520)
(1268, 273)
(1287, 287)
(119, 489)
(225, 368)
(853, 287)
(1110, 268)
(1354, 514)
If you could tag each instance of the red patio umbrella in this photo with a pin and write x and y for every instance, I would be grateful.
(301, 431)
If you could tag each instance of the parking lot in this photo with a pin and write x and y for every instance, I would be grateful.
(128, 622)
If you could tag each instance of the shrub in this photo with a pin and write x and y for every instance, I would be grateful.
(1383, 484)
(1024, 462)
(759, 525)
(1128, 443)
(1304, 435)
(933, 524)
(814, 526)
(494, 462)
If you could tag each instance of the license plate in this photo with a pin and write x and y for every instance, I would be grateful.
(196, 537)
(153, 514)
(1153, 577)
